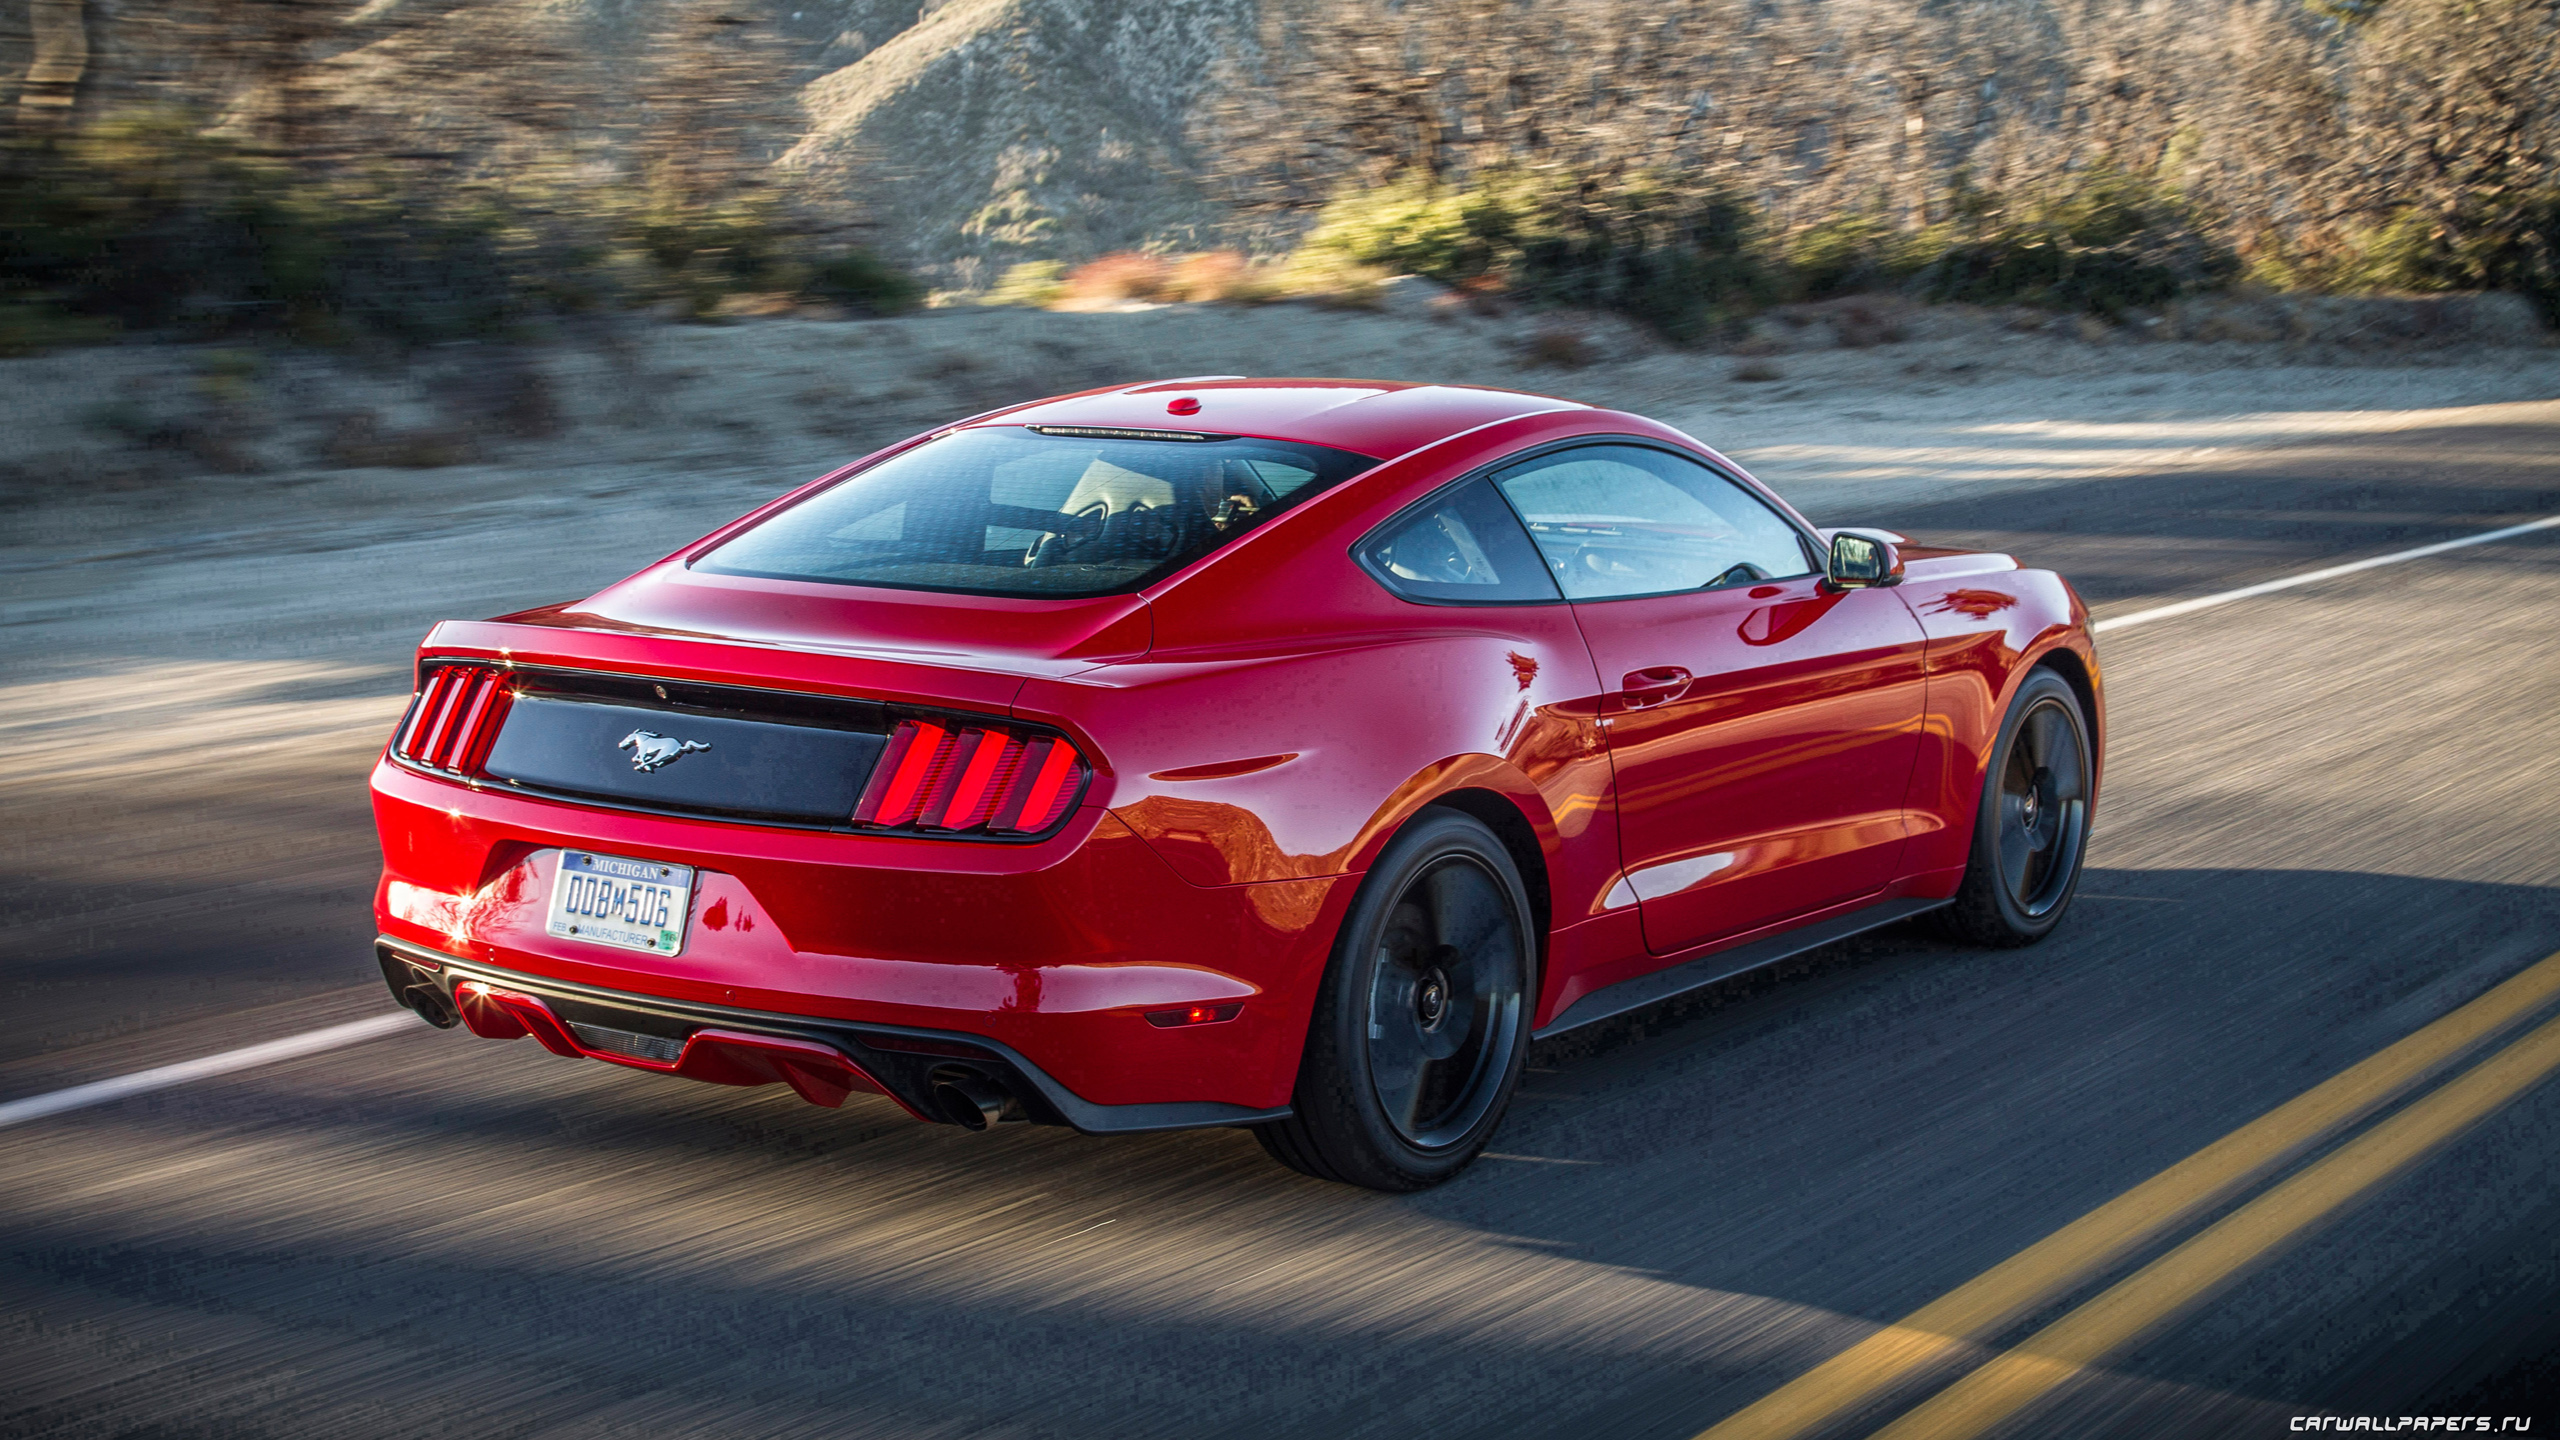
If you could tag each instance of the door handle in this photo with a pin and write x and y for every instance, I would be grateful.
(1653, 684)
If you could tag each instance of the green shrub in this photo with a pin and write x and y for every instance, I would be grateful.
(1688, 258)
(860, 280)
(2104, 240)
(2490, 242)
(145, 223)
(1325, 276)
(1036, 283)
(1844, 254)
(698, 254)
(1414, 228)
(1684, 260)
(1681, 258)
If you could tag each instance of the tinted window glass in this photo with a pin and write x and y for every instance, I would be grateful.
(1463, 545)
(1627, 520)
(1009, 511)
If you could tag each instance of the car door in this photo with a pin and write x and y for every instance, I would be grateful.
(1763, 724)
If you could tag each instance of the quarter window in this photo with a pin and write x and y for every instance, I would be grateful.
(1614, 520)
(1462, 546)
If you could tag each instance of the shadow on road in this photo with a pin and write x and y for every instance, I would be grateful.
(1685, 1206)
(2259, 515)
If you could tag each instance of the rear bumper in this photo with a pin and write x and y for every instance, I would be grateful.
(823, 1060)
(1052, 954)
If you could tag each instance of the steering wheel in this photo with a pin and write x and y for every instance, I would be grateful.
(1742, 574)
(1092, 535)
(1062, 535)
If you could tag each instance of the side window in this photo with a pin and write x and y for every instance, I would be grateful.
(1462, 546)
(1616, 520)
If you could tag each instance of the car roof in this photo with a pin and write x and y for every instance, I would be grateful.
(1378, 418)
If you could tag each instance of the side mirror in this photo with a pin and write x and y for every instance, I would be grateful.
(1862, 558)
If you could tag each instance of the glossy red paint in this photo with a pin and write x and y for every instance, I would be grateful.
(1384, 418)
(1989, 623)
(1767, 780)
(1056, 949)
(1259, 725)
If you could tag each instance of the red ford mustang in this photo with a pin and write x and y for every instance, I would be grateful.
(1278, 753)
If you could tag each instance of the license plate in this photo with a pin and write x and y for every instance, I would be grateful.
(636, 904)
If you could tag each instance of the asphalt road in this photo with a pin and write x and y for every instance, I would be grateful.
(2328, 824)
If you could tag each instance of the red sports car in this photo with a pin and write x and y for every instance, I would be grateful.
(1277, 753)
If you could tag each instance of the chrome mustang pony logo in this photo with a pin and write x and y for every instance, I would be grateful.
(651, 750)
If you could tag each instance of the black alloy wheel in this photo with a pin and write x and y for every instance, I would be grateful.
(2033, 827)
(1423, 1019)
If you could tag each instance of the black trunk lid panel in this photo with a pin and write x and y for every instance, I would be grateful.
(687, 749)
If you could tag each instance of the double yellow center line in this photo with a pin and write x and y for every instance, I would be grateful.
(1951, 1327)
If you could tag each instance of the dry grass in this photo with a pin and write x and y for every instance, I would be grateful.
(1212, 275)
(1115, 279)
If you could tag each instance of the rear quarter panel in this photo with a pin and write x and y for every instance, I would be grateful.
(1285, 647)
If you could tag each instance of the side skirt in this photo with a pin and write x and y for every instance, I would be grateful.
(1643, 990)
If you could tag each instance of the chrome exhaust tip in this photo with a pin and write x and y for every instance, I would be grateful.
(415, 987)
(431, 1005)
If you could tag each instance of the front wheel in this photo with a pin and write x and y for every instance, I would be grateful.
(1422, 1022)
(2033, 826)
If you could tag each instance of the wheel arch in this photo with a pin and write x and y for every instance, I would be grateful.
(2065, 660)
(1509, 824)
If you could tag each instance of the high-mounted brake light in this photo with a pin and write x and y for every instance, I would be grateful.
(941, 778)
(457, 715)
(1120, 432)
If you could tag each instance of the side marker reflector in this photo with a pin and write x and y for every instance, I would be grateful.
(1195, 1015)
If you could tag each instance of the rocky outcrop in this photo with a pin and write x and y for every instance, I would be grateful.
(963, 134)
(997, 130)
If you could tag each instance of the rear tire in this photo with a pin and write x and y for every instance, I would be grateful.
(2032, 828)
(1422, 1023)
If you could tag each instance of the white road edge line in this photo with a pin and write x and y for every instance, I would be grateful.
(309, 1042)
(2207, 602)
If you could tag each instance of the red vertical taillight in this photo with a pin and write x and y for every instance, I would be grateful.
(479, 728)
(457, 715)
(451, 723)
(1044, 785)
(897, 783)
(431, 698)
(936, 777)
(970, 786)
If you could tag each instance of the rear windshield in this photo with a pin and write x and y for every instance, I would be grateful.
(1012, 511)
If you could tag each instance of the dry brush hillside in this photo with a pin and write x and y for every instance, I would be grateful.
(974, 133)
